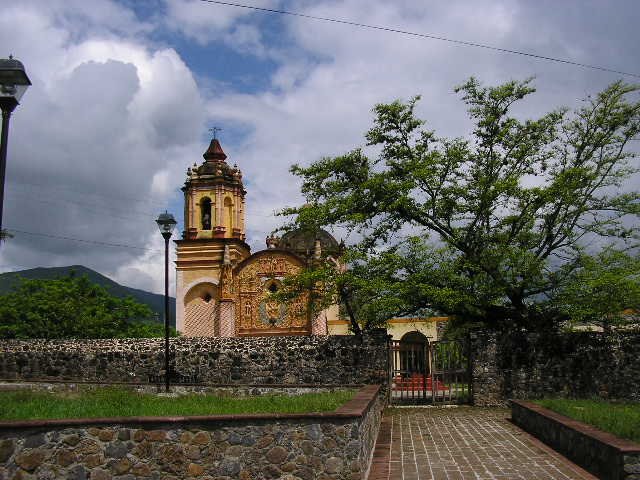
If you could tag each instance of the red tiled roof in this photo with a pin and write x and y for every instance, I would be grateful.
(214, 152)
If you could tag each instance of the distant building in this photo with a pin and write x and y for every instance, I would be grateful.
(223, 290)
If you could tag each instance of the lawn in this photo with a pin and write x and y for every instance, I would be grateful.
(621, 419)
(119, 402)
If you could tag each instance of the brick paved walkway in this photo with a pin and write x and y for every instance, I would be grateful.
(463, 443)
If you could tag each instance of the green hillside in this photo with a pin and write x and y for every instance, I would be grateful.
(154, 301)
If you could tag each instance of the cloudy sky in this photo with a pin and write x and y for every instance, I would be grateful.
(124, 93)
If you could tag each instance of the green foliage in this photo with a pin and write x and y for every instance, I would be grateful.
(120, 402)
(604, 290)
(155, 301)
(621, 419)
(71, 307)
(493, 228)
(364, 290)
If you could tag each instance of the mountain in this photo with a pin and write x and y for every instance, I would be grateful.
(155, 301)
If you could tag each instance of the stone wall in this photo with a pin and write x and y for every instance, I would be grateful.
(335, 445)
(576, 364)
(601, 453)
(176, 389)
(309, 360)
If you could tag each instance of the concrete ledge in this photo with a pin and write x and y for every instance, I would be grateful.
(601, 453)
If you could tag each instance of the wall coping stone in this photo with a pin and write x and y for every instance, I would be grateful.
(619, 444)
(35, 381)
(357, 407)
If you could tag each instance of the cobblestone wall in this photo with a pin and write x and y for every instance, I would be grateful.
(603, 454)
(273, 447)
(330, 360)
(578, 364)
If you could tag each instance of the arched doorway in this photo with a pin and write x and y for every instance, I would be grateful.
(414, 349)
(200, 305)
(435, 372)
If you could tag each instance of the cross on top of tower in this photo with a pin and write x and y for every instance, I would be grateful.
(215, 131)
(215, 152)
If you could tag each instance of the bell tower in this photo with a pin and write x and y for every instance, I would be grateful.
(214, 198)
(213, 238)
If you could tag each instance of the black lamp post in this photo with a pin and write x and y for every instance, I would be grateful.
(166, 224)
(13, 83)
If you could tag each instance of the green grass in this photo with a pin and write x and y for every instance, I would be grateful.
(621, 419)
(119, 402)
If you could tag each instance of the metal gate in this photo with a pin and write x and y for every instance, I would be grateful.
(430, 372)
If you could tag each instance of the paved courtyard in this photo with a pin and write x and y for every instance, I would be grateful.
(463, 443)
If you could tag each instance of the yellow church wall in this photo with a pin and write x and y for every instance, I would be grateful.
(199, 263)
(427, 326)
(228, 219)
(396, 327)
(190, 276)
(338, 327)
(333, 313)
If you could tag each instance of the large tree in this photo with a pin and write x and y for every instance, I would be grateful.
(496, 227)
(72, 307)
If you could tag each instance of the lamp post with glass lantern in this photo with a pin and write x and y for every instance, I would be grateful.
(166, 224)
(13, 83)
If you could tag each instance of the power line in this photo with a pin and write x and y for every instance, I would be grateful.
(87, 207)
(84, 240)
(423, 35)
(76, 191)
(105, 210)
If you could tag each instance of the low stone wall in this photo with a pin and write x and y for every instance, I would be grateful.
(328, 360)
(603, 454)
(335, 445)
(574, 365)
(217, 390)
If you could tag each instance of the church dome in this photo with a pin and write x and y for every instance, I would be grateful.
(303, 242)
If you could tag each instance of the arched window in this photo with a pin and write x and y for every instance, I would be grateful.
(272, 286)
(205, 213)
(228, 211)
(414, 337)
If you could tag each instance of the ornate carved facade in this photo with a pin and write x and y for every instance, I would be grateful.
(223, 290)
(256, 280)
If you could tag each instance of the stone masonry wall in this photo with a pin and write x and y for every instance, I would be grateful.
(326, 360)
(273, 447)
(603, 454)
(576, 364)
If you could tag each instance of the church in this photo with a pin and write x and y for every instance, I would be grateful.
(223, 290)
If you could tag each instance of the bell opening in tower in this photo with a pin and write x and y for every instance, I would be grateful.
(205, 207)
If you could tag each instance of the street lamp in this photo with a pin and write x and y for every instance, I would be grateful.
(13, 83)
(166, 224)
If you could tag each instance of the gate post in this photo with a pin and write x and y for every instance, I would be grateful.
(469, 340)
(389, 369)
